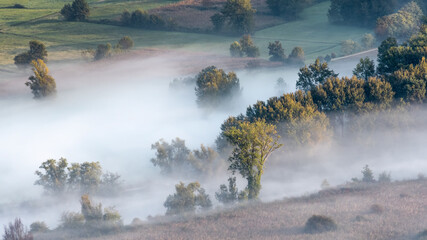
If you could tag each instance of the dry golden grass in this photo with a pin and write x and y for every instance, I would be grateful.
(403, 217)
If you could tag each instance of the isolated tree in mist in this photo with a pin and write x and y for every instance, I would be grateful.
(41, 83)
(187, 199)
(54, 177)
(313, 75)
(37, 51)
(368, 41)
(365, 69)
(77, 11)
(348, 47)
(253, 144)
(214, 86)
(297, 56)
(85, 177)
(16, 231)
(102, 51)
(276, 51)
(368, 176)
(125, 43)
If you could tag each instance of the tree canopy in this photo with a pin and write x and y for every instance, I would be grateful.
(254, 143)
(37, 51)
(187, 199)
(77, 11)
(41, 83)
(314, 74)
(214, 86)
(238, 14)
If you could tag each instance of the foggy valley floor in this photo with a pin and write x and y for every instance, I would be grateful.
(388, 211)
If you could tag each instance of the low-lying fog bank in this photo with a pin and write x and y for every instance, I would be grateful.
(112, 113)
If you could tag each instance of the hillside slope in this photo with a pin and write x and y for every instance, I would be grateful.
(377, 212)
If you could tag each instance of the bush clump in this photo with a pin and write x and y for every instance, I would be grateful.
(319, 223)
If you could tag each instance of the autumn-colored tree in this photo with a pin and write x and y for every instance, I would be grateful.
(41, 84)
(214, 87)
(253, 145)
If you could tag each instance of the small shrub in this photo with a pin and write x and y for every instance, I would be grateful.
(38, 227)
(72, 220)
(102, 51)
(16, 231)
(325, 184)
(319, 223)
(376, 209)
(384, 177)
(236, 50)
(368, 176)
(185, 200)
(125, 43)
(17, 5)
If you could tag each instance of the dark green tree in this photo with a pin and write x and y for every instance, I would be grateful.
(288, 9)
(365, 69)
(218, 21)
(37, 51)
(254, 143)
(276, 51)
(314, 74)
(187, 199)
(368, 176)
(77, 11)
(238, 14)
(384, 56)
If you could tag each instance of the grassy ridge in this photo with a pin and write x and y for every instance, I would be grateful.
(65, 39)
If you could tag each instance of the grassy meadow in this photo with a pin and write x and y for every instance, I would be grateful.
(65, 40)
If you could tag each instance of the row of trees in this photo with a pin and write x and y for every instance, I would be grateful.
(246, 47)
(401, 25)
(176, 159)
(58, 176)
(142, 19)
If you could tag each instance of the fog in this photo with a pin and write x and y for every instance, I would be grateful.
(112, 112)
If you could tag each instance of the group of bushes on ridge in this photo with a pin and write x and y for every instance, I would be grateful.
(246, 47)
(57, 177)
(107, 50)
(144, 20)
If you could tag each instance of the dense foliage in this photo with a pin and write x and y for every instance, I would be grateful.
(57, 177)
(37, 51)
(187, 199)
(361, 12)
(276, 51)
(237, 14)
(401, 25)
(142, 19)
(77, 11)
(41, 83)
(175, 158)
(214, 87)
(314, 74)
(253, 144)
(288, 9)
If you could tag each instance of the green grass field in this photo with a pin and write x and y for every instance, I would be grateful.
(65, 40)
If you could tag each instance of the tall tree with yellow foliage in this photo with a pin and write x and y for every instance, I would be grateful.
(41, 84)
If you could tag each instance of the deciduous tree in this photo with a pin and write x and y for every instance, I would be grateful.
(254, 143)
(41, 83)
